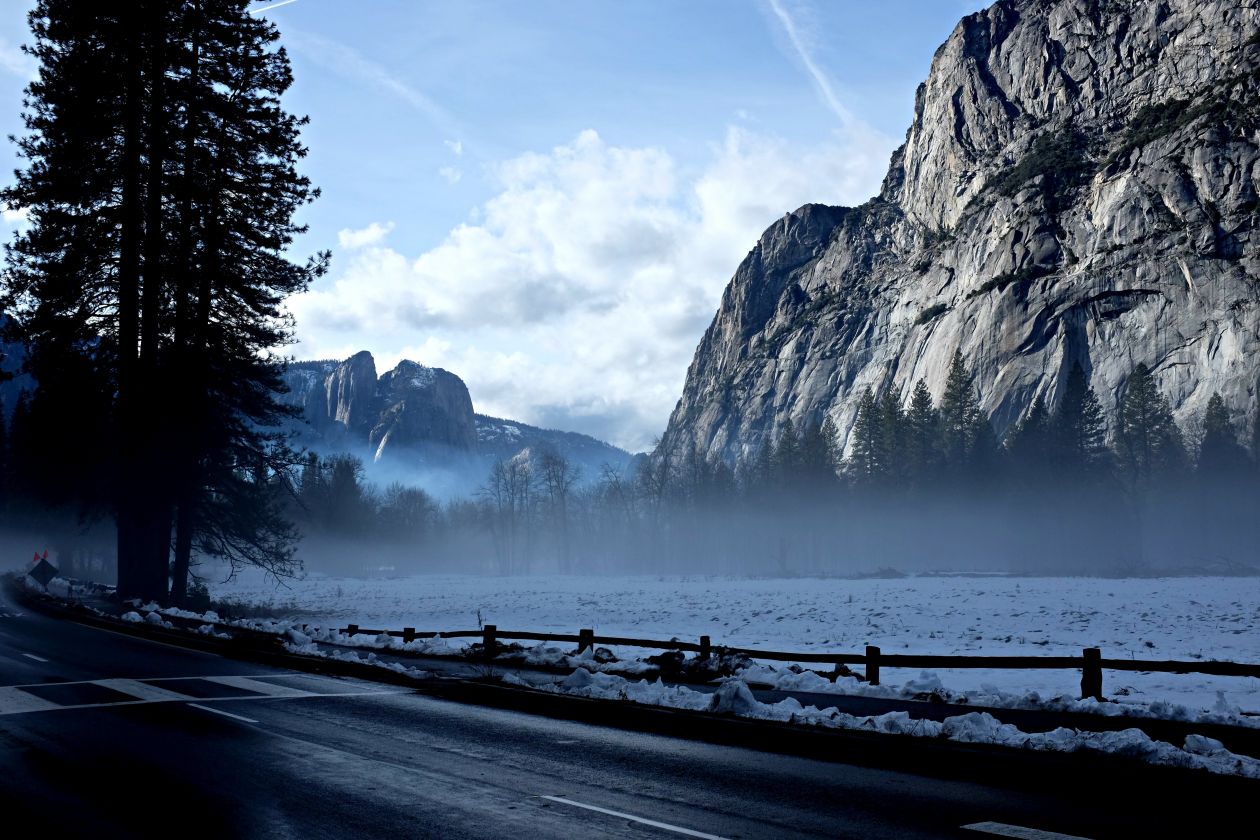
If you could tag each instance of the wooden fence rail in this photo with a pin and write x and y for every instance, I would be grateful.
(1090, 662)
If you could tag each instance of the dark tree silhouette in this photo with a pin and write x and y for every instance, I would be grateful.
(1220, 453)
(161, 183)
(1079, 430)
(1148, 442)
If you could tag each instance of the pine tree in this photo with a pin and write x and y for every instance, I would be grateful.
(786, 459)
(1149, 443)
(960, 419)
(161, 183)
(757, 472)
(922, 436)
(893, 439)
(1220, 454)
(866, 464)
(1078, 429)
(1028, 444)
(818, 457)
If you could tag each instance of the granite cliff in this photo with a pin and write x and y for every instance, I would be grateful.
(416, 415)
(1079, 184)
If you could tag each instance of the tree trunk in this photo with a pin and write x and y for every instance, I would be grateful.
(183, 554)
(130, 485)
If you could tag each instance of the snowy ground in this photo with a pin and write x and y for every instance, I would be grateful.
(1170, 618)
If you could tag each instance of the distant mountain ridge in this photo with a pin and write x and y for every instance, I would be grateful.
(420, 416)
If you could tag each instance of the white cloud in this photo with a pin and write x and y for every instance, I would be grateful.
(351, 64)
(456, 147)
(802, 48)
(373, 234)
(261, 9)
(576, 295)
(14, 61)
(452, 174)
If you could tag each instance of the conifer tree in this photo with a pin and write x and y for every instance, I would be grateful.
(866, 458)
(893, 439)
(1149, 443)
(818, 457)
(786, 457)
(1220, 454)
(1028, 442)
(922, 436)
(160, 177)
(1078, 429)
(960, 419)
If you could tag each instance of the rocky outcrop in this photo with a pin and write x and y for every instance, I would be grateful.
(1079, 184)
(416, 415)
(344, 404)
(422, 406)
(337, 398)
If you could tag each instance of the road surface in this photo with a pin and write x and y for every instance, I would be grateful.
(106, 735)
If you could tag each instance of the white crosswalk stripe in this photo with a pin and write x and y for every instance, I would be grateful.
(17, 700)
(270, 689)
(142, 690)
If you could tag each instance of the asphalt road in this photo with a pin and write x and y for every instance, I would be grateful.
(106, 735)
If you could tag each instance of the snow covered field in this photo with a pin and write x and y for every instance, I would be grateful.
(1166, 618)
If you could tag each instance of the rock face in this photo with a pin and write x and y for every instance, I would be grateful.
(415, 415)
(336, 398)
(411, 406)
(1079, 184)
(422, 405)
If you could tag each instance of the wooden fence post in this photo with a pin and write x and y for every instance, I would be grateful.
(409, 635)
(1091, 674)
(352, 630)
(705, 647)
(872, 665)
(488, 639)
(586, 639)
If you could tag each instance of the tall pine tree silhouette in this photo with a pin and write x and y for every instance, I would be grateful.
(160, 174)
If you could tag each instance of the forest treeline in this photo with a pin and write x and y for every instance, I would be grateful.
(925, 485)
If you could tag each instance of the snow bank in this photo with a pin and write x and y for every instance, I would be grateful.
(734, 697)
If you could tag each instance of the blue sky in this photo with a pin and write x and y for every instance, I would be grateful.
(547, 198)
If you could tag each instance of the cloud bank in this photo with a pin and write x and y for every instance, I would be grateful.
(576, 295)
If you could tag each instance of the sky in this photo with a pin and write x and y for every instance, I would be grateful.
(548, 198)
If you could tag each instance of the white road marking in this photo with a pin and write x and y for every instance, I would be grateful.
(36, 658)
(664, 826)
(142, 690)
(221, 712)
(247, 684)
(14, 701)
(1019, 831)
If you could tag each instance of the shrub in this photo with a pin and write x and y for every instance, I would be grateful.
(1061, 156)
(1010, 278)
(931, 313)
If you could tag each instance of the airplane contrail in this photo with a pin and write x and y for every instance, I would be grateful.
(272, 6)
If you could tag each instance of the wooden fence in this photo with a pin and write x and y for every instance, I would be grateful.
(1090, 663)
